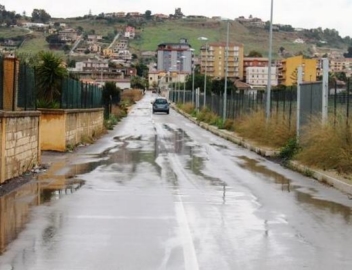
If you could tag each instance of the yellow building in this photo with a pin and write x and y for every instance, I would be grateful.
(215, 60)
(287, 70)
(108, 52)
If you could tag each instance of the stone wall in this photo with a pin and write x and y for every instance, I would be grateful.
(63, 128)
(20, 147)
(83, 124)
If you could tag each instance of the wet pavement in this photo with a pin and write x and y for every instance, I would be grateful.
(158, 192)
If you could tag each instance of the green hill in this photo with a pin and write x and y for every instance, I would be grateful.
(152, 33)
(252, 39)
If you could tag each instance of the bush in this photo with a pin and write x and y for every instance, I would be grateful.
(110, 122)
(289, 150)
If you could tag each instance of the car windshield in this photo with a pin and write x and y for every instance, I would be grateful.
(160, 101)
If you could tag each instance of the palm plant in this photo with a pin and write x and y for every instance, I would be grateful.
(50, 72)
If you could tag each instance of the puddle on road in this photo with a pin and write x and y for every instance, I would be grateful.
(15, 207)
(306, 198)
(61, 179)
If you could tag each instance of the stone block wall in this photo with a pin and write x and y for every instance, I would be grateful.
(20, 143)
(83, 123)
(61, 128)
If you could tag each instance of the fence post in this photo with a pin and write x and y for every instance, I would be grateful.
(299, 82)
(325, 89)
(14, 84)
(348, 101)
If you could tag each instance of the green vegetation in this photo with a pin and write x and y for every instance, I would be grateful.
(34, 45)
(50, 73)
(289, 150)
(336, 137)
(7, 32)
(254, 39)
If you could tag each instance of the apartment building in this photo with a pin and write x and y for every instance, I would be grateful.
(175, 57)
(213, 60)
(340, 65)
(257, 77)
(253, 62)
(287, 70)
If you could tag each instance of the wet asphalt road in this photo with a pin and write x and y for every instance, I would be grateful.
(158, 192)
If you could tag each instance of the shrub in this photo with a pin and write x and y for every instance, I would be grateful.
(290, 149)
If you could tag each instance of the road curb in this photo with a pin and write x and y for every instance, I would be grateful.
(293, 165)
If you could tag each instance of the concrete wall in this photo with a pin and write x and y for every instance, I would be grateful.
(20, 147)
(60, 128)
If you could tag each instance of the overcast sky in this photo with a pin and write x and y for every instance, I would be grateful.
(335, 14)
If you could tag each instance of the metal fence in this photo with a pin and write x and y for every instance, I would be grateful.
(26, 94)
(240, 102)
(76, 95)
(73, 95)
(283, 102)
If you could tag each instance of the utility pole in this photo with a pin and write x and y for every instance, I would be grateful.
(226, 71)
(268, 89)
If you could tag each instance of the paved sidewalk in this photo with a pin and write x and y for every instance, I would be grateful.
(330, 178)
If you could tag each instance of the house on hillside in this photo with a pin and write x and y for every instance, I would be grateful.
(120, 14)
(68, 35)
(122, 44)
(94, 38)
(130, 32)
(160, 16)
(299, 41)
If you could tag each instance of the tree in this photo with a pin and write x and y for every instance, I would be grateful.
(349, 53)
(148, 15)
(50, 73)
(218, 86)
(138, 82)
(111, 93)
(198, 82)
(40, 15)
(142, 70)
(254, 54)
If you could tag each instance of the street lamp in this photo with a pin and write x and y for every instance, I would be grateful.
(184, 82)
(268, 89)
(193, 67)
(205, 69)
(178, 80)
(226, 71)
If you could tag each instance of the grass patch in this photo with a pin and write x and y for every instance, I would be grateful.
(328, 146)
(276, 133)
(187, 107)
(130, 97)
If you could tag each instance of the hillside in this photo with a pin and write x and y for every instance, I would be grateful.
(151, 33)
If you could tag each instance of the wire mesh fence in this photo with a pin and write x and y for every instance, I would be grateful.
(283, 102)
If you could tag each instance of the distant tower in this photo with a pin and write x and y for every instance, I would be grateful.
(90, 13)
